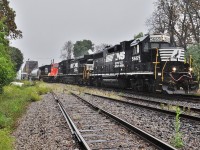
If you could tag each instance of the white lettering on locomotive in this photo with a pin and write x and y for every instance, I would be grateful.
(115, 56)
(120, 56)
(119, 64)
(136, 58)
(109, 57)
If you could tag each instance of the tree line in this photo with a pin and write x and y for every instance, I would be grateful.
(80, 48)
(11, 58)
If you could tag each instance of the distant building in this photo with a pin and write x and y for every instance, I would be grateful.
(29, 66)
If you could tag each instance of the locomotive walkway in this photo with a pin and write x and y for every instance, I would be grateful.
(96, 128)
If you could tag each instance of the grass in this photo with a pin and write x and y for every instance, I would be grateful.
(169, 107)
(81, 90)
(6, 142)
(13, 103)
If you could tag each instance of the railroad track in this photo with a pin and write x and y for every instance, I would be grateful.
(173, 97)
(155, 122)
(188, 98)
(96, 128)
(186, 116)
(164, 104)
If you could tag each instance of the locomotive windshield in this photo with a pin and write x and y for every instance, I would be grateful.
(160, 45)
(164, 45)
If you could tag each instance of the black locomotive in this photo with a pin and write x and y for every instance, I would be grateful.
(148, 63)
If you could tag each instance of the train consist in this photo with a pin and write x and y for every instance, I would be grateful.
(148, 63)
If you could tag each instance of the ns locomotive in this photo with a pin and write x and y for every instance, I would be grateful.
(148, 63)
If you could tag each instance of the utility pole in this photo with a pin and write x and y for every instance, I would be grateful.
(28, 69)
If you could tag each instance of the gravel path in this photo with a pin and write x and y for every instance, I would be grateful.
(43, 128)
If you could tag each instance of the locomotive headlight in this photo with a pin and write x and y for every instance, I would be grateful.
(190, 69)
(174, 69)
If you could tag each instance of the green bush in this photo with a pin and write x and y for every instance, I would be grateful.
(7, 72)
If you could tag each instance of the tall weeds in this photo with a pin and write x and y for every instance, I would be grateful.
(177, 139)
(13, 103)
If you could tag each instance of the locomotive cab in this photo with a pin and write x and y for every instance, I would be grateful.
(161, 65)
(171, 71)
(53, 73)
(44, 71)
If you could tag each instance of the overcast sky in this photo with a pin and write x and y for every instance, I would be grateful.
(48, 24)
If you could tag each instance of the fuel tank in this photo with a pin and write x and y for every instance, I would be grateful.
(35, 73)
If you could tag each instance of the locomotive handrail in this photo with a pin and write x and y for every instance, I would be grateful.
(155, 71)
(190, 77)
(163, 70)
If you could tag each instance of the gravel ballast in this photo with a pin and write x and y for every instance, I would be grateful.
(99, 131)
(158, 124)
(43, 128)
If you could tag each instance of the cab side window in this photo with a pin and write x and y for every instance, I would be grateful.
(136, 49)
(154, 45)
(146, 47)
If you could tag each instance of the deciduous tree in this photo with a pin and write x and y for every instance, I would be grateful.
(82, 47)
(194, 51)
(9, 15)
(67, 50)
(100, 47)
(138, 35)
(16, 57)
(7, 72)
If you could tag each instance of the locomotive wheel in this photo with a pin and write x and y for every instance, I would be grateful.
(151, 86)
(139, 85)
(122, 83)
(133, 85)
(97, 82)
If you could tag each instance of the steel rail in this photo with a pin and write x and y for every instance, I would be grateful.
(148, 107)
(156, 102)
(177, 97)
(146, 136)
(72, 126)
